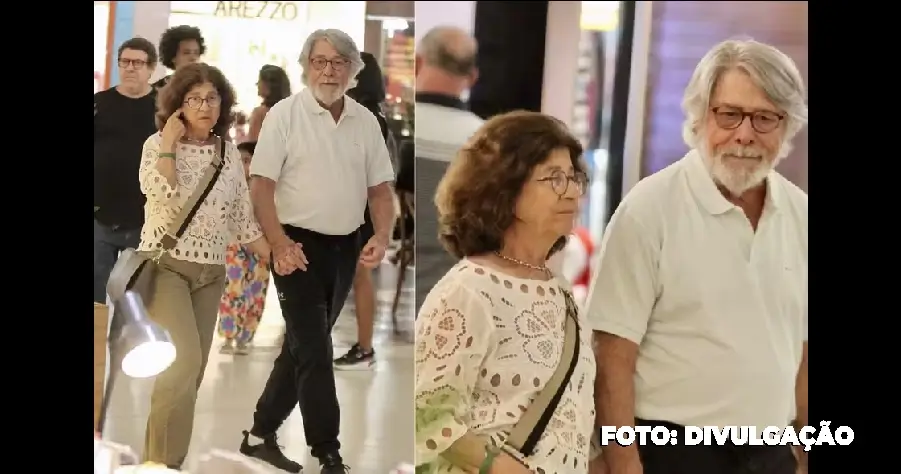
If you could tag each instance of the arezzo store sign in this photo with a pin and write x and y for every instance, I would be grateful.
(243, 36)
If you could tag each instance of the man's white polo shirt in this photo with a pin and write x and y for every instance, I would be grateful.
(322, 168)
(719, 311)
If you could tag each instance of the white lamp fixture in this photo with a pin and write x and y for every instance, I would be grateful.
(145, 347)
(137, 346)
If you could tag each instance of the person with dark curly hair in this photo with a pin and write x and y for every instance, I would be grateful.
(193, 115)
(179, 46)
(490, 333)
(273, 85)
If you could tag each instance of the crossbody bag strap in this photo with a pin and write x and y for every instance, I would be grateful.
(180, 224)
(528, 430)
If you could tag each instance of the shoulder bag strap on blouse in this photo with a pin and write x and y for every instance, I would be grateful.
(180, 224)
(528, 430)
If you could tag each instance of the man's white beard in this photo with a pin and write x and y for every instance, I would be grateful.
(738, 176)
(328, 97)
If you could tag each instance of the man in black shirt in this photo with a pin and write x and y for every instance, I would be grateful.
(179, 46)
(123, 120)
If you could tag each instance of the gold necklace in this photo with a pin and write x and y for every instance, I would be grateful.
(196, 142)
(540, 268)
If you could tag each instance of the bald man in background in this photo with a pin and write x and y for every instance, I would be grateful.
(445, 69)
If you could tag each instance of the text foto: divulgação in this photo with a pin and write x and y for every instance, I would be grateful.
(807, 436)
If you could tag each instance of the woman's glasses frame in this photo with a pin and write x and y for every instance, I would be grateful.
(560, 181)
(197, 102)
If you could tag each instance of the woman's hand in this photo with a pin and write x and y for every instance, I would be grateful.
(288, 257)
(506, 464)
(173, 131)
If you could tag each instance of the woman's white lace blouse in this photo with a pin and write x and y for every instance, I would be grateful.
(486, 345)
(226, 214)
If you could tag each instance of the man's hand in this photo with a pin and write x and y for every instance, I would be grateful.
(801, 458)
(628, 464)
(287, 256)
(373, 252)
(597, 466)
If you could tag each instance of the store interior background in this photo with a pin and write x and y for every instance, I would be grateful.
(240, 46)
(613, 71)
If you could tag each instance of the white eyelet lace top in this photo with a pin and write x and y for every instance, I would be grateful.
(486, 345)
(225, 216)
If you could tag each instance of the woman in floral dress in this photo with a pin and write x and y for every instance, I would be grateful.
(241, 306)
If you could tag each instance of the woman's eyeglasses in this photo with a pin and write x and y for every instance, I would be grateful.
(197, 102)
(560, 181)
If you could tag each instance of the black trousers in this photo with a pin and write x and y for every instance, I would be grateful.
(303, 373)
(700, 459)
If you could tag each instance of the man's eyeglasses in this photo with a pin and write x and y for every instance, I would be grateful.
(197, 102)
(137, 63)
(338, 64)
(730, 118)
(559, 182)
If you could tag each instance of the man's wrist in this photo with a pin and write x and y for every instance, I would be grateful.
(280, 241)
(619, 455)
(382, 239)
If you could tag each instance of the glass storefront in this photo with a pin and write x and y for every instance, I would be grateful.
(592, 111)
(241, 37)
(397, 58)
(101, 40)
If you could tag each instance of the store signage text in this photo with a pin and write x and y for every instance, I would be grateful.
(284, 11)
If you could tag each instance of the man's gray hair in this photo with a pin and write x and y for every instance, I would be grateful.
(772, 70)
(342, 42)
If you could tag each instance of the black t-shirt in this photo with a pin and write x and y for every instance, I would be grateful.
(121, 126)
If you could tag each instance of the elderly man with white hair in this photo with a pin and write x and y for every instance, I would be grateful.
(319, 159)
(699, 301)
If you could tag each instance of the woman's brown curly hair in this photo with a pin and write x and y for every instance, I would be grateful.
(172, 96)
(477, 196)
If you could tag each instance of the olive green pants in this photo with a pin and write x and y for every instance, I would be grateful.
(186, 302)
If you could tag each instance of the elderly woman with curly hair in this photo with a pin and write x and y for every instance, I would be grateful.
(490, 334)
(193, 113)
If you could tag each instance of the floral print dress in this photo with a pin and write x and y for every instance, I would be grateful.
(241, 306)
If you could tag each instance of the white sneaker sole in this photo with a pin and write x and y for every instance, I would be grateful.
(356, 367)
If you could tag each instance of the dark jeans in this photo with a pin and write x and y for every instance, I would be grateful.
(700, 459)
(303, 373)
(108, 243)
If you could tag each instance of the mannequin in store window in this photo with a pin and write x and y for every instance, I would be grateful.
(179, 46)
(272, 86)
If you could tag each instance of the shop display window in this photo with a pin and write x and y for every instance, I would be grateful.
(101, 40)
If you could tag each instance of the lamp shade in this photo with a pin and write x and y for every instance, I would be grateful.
(145, 348)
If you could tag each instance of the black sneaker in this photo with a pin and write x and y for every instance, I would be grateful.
(356, 359)
(331, 463)
(270, 452)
